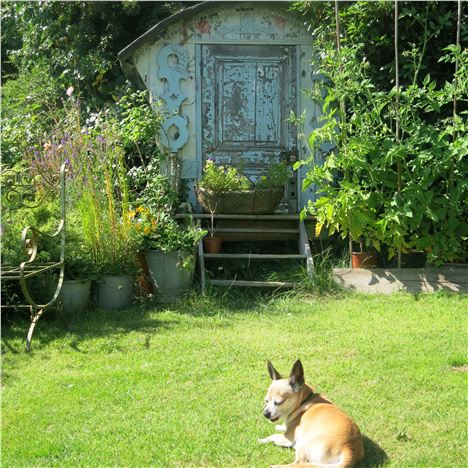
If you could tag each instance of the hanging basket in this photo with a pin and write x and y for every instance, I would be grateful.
(256, 201)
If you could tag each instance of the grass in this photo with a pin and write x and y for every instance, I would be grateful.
(184, 385)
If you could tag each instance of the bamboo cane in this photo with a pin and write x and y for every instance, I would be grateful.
(397, 110)
(343, 120)
(455, 85)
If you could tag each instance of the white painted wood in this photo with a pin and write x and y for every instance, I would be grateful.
(240, 23)
(253, 230)
(304, 249)
(271, 217)
(259, 284)
(258, 256)
(201, 262)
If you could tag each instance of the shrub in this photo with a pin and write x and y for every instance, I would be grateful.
(29, 111)
(160, 231)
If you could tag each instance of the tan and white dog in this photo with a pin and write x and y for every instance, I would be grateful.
(321, 433)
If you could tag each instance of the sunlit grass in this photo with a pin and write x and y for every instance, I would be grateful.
(184, 385)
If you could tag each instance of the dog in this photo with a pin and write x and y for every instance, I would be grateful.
(321, 434)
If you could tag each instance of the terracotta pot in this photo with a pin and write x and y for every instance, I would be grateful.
(212, 244)
(144, 279)
(365, 259)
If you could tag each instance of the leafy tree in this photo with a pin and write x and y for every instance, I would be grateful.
(425, 29)
(77, 41)
(49, 46)
(405, 191)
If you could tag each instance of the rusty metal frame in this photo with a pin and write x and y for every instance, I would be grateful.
(30, 240)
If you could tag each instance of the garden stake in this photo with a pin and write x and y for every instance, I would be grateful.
(343, 118)
(397, 108)
(455, 85)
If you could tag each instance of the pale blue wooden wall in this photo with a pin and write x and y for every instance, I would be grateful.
(194, 40)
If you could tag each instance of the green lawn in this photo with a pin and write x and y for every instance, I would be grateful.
(184, 385)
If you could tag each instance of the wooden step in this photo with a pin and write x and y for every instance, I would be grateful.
(258, 284)
(257, 256)
(289, 217)
(254, 230)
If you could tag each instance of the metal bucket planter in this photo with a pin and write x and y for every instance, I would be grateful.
(75, 297)
(115, 292)
(171, 279)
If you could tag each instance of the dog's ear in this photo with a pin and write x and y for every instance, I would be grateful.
(296, 378)
(274, 374)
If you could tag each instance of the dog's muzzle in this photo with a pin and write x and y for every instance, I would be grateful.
(267, 415)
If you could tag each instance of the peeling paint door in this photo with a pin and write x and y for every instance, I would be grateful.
(247, 95)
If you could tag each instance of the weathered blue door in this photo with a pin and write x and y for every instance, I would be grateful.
(248, 93)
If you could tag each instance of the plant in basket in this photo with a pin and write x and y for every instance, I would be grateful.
(277, 176)
(223, 179)
(226, 190)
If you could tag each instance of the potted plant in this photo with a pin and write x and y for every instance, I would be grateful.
(169, 250)
(152, 193)
(364, 258)
(114, 248)
(103, 203)
(212, 243)
(226, 190)
(79, 272)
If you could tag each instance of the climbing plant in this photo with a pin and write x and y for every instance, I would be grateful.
(404, 189)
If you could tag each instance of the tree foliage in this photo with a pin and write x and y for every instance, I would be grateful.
(425, 29)
(404, 190)
(77, 41)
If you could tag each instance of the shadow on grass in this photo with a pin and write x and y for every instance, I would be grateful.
(374, 455)
(142, 318)
(95, 323)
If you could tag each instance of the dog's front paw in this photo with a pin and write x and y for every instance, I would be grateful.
(266, 440)
(281, 427)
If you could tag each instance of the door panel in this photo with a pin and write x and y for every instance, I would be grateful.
(237, 110)
(247, 95)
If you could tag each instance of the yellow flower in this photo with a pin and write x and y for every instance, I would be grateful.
(131, 214)
(139, 209)
(146, 230)
(138, 227)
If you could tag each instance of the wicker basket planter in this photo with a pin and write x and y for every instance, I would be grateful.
(256, 201)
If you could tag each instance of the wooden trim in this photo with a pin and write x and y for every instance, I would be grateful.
(202, 266)
(304, 249)
(258, 256)
(259, 284)
(290, 217)
(255, 230)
